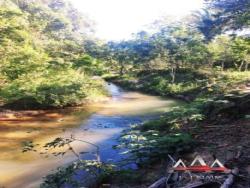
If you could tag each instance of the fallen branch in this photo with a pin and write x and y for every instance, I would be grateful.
(235, 172)
(159, 184)
(230, 180)
(202, 185)
(194, 185)
(92, 144)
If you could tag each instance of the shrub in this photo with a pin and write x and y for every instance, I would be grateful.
(51, 89)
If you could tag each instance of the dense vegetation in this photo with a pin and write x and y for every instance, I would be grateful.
(43, 61)
(204, 59)
(48, 59)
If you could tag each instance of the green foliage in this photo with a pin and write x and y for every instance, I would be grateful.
(159, 82)
(219, 16)
(151, 145)
(124, 176)
(241, 51)
(62, 177)
(52, 89)
(42, 61)
(77, 174)
(194, 43)
(231, 14)
(174, 45)
(221, 50)
(66, 176)
(153, 140)
(89, 65)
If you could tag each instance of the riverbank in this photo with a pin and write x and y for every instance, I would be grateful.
(189, 84)
(75, 89)
(44, 114)
(29, 109)
(181, 131)
(99, 123)
(215, 102)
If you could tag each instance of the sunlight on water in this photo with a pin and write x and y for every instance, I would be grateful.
(98, 123)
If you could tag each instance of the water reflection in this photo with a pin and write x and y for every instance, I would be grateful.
(99, 123)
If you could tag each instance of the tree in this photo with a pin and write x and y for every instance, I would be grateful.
(144, 48)
(205, 21)
(180, 45)
(241, 52)
(221, 51)
(221, 16)
(231, 14)
(122, 53)
(43, 63)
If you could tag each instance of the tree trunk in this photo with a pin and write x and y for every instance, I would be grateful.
(230, 180)
(173, 72)
(246, 66)
(210, 62)
(241, 65)
(222, 66)
(122, 69)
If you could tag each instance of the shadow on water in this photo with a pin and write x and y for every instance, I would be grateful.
(100, 123)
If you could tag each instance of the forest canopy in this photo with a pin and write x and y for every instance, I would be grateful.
(215, 37)
(48, 53)
(40, 41)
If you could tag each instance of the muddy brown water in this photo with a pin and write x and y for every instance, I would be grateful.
(100, 123)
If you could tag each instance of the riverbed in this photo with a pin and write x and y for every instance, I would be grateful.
(98, 123)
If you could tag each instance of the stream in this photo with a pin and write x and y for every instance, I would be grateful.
(99, 123)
